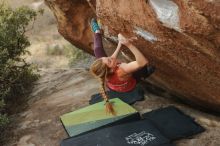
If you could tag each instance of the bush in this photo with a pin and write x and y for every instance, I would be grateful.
(16, 76)
(75, 55)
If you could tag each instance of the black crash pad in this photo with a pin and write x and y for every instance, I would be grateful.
(173, 123)
(139, 133)
(168, 144)
(128, 97)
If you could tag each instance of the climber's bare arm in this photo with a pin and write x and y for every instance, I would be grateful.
(140, 59)
(115, 54)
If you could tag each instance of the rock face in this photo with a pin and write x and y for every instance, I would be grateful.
(180, 37)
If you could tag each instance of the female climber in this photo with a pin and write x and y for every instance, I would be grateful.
(111, 72)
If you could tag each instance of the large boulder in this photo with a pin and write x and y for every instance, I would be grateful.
(180, 37)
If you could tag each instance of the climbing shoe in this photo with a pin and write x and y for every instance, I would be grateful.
(94, 25)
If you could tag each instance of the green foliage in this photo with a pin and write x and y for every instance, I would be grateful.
(3, 120)
(16, 76)
(75, 54)
(56, 50)
(12, 29)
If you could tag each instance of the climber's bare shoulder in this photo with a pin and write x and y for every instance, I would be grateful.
(130, 67)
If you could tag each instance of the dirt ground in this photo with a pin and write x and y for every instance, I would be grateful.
(63, 90)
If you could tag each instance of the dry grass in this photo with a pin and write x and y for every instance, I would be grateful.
(48, 48)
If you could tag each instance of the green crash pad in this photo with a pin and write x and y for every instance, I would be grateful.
(94, 117)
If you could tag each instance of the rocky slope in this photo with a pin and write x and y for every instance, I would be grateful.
(180, 37)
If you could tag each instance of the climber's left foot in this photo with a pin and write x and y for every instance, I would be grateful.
(94, 25)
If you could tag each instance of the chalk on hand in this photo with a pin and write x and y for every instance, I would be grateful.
(132, 38)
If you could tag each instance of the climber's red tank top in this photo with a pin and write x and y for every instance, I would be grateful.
(119, 81)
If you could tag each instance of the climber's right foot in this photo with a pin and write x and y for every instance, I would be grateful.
(94, 25)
